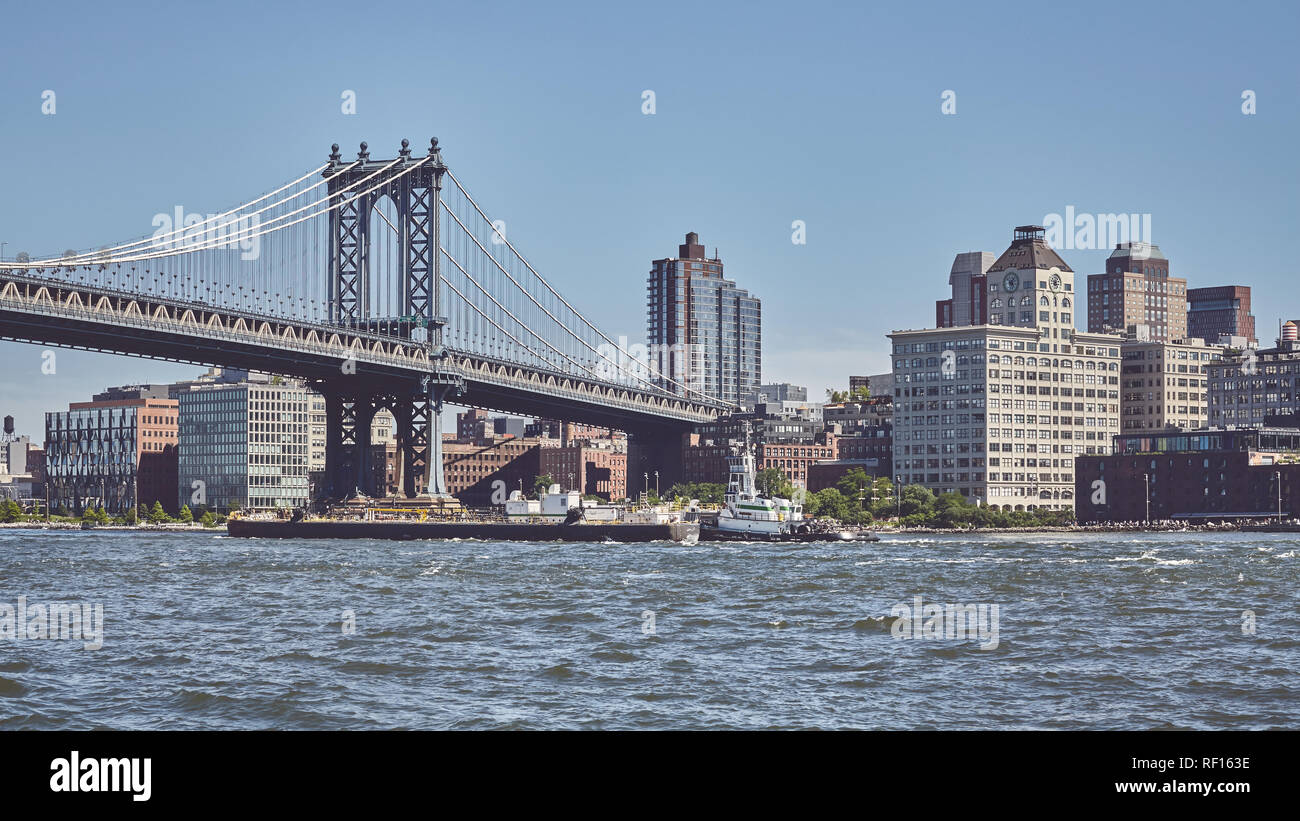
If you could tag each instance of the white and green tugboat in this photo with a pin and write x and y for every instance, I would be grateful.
(748, 515)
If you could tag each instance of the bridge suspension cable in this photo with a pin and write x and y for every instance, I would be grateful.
(276, 256)
(618, 351)
(97, 256)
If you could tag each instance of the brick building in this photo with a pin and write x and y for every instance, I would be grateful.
(594, 469)
(1137, 292)
(1165, 384)
(472, 468)
(1220, 311)
(1248, 386)
(1208, 473)
(794, 459)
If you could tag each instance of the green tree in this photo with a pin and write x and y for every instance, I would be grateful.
(708, 493)
(542, 483)
(854, 483)
(157, 515)
(917, 500)
(859, 491)
(131, 516)
(952, 510)
(10, 511)
(208, 520)
(830, 503)
(773, 482)
(186, 515)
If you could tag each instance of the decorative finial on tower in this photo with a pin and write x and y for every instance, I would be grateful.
(406, 149)
(364, 153)
(335, 156)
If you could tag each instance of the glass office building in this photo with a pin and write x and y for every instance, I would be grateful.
(245, 445)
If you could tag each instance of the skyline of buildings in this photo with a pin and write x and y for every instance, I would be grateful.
(995, 402)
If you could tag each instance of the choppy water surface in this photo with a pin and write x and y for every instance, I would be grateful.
(1095, 631)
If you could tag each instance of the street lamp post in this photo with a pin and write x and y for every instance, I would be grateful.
(1147, 479)
(656, 483)
(1278, 475)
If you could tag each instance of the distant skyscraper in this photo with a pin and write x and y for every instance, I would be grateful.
(704, 332)
(1137, 293)
(1225, 310)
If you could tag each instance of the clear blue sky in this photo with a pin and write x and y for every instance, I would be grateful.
(766, 113)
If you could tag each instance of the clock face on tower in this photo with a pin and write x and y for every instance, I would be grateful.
(1055, 282)
(1011, 281)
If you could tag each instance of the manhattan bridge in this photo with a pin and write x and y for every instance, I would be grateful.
(382, 284)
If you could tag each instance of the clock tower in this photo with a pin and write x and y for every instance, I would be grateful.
(1030, 286)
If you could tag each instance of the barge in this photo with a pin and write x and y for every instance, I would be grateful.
(410, 530)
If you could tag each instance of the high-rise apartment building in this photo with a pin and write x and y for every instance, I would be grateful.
(704, 332)
(1136, 293)
(1003, 423)
(1220, 311)
(247, 443)
(316, 434)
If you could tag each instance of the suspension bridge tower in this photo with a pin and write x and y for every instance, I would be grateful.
(351, 398)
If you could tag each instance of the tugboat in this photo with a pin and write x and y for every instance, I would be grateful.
(748, 515)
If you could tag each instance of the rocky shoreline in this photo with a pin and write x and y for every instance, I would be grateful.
(174, 527)
(1108, 527)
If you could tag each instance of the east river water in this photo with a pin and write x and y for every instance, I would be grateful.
(1101, 631)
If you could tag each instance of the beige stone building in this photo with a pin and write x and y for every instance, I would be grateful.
(998, 412)
(1164, 385)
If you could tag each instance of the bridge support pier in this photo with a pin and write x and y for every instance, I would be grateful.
(402, 434)
(364, 417)
(435, 482)
(350, 408)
